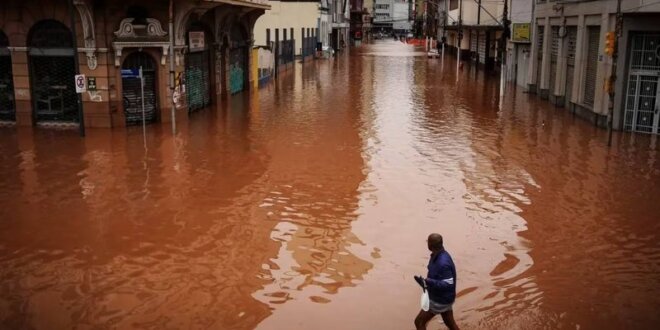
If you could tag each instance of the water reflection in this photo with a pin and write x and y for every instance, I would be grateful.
(306, 205)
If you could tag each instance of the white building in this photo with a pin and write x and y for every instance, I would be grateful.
(392, 16)
(400, 16)
(286, 17)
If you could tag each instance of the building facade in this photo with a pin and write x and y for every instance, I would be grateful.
(360, 21)
(392, 16)
(340, 22)
(518, 53)
(569, 66)
(474, 27)
(383, 15)
(291, 20)
(112, 43)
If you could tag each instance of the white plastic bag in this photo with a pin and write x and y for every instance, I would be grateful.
(425, 302)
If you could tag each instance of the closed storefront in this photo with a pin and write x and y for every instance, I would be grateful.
(7, 104)
(134, 108)
(554, 53)
(539, 55)
(571, 35)
(52, 72)
(483, 47)
(198, 70)
(593, 39)
(473, 43)
(238, 59)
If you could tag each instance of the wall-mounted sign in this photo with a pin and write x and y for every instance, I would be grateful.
(80, 83)
(91, 83)
(520, 32)
(195, 41)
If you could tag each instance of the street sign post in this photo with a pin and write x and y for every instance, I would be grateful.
(130, 73)
(81, 83)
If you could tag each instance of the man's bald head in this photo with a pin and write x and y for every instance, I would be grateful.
(435, 242)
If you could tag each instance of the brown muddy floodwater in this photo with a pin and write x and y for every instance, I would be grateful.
(307, 205)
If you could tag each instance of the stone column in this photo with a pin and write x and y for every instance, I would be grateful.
(545, 63)
(22, 93)
(580, 65)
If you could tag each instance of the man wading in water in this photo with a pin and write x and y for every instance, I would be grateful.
(441, 283)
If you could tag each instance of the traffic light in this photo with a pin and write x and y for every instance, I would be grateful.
(610, 43)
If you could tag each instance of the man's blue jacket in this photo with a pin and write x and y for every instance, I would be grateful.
(441, 279)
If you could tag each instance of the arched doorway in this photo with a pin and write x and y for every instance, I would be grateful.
(198, 68)
(52, 71)
(238, 59)
(132, 89)
(7, 104)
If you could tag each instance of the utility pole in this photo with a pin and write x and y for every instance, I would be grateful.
(445, 15)
(612, 79)
(460, 37)
(503, 41)
(478, 23)
(171, 80)
(76, 64)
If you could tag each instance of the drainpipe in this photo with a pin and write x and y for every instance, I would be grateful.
(171, 80)
(81, 116)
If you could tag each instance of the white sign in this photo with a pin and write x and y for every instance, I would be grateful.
(81, 83)
(196, 41)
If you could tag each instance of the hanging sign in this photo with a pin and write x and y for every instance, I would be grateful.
(196, 41)
(520, 32)
(81, 83)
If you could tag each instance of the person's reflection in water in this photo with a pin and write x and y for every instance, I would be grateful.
(441, 283)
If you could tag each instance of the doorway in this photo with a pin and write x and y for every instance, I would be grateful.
(132, 89)
(642, 107)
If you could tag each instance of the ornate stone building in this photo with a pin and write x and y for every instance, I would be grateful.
(212, 57)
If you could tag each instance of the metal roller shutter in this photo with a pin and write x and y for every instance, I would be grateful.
(482, 47)
(473, 42)
(539, 52)
(554, 52)
(571, 35)
(198, 82)
(593, 39)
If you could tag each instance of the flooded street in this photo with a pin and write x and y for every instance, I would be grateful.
(306, 205)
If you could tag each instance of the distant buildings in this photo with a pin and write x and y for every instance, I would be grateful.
(392, 16)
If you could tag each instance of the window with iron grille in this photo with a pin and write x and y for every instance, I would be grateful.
(7, 104)
(132, 89)
(52, 70)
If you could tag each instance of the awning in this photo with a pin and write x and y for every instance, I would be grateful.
(261, 4)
